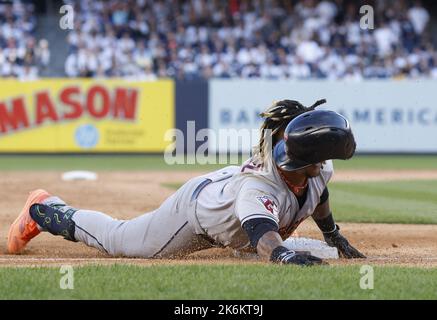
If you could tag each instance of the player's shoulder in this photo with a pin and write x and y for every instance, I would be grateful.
(256, 182)
(258, 187)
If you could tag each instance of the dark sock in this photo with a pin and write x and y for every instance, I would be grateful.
(56, 219)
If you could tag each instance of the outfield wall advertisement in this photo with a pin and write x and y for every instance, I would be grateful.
(386, 116)
(84, 115)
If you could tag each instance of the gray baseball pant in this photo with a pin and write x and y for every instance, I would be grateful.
(167, 232)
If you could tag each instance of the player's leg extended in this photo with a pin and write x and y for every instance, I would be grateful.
(164, 232)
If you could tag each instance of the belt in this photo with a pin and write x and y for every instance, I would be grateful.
(199, 188)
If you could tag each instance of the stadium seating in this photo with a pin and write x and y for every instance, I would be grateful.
(194, 39)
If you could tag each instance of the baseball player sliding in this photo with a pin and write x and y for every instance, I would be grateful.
(258, 204)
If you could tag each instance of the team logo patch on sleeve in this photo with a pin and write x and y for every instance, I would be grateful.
(269, 204)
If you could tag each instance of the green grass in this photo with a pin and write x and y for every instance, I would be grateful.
(94, 162)
(218, 282)
(385, 202)
(156, 162)
(388, 162)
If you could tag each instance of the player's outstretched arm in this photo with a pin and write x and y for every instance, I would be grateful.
(264, 236)
(270, 248)
(268, 242)
(331, 232)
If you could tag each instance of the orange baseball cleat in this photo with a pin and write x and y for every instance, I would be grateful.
(24, 227)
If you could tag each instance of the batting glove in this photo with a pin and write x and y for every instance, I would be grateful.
(285, 256)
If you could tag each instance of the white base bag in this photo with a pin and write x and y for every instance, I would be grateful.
(316, 248)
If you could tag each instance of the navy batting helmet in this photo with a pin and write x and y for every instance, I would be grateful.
(314, 137)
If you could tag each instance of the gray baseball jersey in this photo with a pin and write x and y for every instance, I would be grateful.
(206, 211)
(237, 194)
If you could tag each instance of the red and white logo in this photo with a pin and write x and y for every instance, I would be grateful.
(269, 204)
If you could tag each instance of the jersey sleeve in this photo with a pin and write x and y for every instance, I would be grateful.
(255, 204)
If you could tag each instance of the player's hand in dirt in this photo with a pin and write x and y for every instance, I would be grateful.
(345, 250)
(298, 258)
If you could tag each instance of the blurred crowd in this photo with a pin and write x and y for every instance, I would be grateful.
(21, 55)
(146, 39)
(191, 39)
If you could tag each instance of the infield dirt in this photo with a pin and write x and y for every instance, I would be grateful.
(125, 195)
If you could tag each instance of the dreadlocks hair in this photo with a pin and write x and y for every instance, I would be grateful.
(276, 119)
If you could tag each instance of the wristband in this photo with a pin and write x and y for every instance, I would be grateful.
(327, 224)
(332, 232)
(280, 253)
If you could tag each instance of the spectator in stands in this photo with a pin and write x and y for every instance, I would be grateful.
(273, 39)
(19, 55)
(419, 17)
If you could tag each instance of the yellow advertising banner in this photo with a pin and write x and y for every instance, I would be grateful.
(85, 115)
